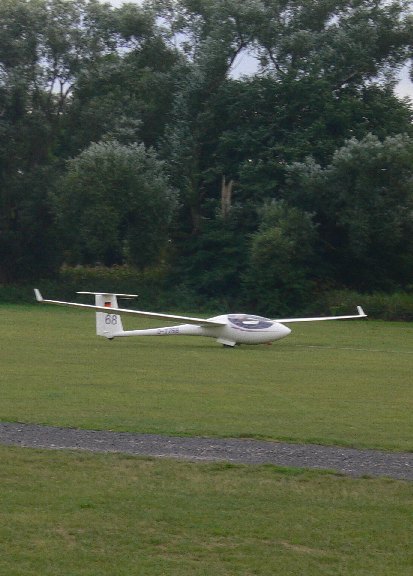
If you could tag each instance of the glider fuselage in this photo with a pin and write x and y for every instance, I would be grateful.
(235, 329)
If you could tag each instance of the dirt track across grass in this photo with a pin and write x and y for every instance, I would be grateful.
(349, 461)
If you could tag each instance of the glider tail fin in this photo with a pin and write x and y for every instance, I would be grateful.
(108, 324)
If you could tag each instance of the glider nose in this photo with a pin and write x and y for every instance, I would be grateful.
(283, 331)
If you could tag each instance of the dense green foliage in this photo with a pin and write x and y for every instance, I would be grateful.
(114, 204)
(126, 139)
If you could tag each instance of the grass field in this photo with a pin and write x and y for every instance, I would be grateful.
(79, 514)
(82, 514)
(347, 383)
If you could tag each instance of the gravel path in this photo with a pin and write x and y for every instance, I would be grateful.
(345, 460)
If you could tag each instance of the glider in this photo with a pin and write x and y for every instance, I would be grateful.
(227, 329)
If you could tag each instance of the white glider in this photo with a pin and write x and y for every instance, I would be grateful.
(227, 329)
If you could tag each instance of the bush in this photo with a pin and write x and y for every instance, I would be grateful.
(158, 292)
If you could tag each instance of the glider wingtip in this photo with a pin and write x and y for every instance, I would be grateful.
(361, 311)
(39, 297)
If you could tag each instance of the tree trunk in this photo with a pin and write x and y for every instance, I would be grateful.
(226, 196)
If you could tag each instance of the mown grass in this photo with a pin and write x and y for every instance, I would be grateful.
(82, 514)
(347, 383)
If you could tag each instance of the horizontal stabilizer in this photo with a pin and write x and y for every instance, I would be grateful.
(128, 296)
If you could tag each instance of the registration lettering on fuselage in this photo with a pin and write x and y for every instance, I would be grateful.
(167, 331)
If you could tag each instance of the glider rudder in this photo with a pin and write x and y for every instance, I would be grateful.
(108, 324)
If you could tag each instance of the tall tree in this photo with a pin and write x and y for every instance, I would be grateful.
(269, 124)
(127, 93)
(215, 34)
(115, 205)
(347, 42)
(363, 204)
(43, 47)
(320, 58)
(279, 273)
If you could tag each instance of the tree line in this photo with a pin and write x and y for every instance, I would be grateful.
(127, 139)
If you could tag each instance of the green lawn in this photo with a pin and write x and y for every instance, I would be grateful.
(347, 383)
(80, 514)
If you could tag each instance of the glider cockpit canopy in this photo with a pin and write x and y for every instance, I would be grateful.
(247, 322)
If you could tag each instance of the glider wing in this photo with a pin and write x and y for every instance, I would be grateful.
(143, 314)
(361, 314)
